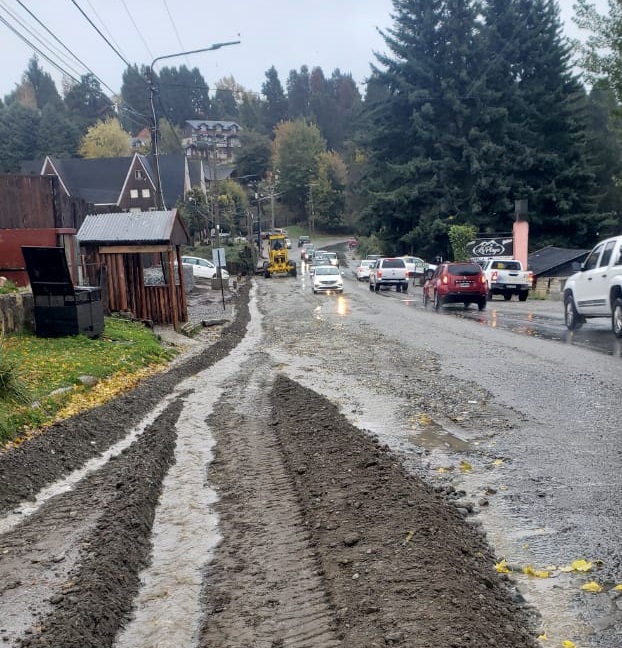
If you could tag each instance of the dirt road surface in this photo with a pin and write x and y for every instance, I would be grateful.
(225, 504)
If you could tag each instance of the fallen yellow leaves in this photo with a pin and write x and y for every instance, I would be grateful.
(105, 390)
(568, 644)
(502, 567)
(577, 566)
(592, 586)
(536, 573)
(465, 466)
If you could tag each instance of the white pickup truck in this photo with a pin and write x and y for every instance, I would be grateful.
(507, 277)
(596, 290)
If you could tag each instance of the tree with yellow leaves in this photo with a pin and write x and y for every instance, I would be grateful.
(106, 139)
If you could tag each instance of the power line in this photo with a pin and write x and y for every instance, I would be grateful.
(137, 29)
(112, 47)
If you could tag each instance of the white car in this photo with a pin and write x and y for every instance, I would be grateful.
(327, 278)
(362, 270)
(203, 268)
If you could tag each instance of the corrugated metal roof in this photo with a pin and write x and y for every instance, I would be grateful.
(128, 227)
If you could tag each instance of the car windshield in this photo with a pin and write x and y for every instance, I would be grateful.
(393, 263)
(464, 269)
(367, 263)
(326, 270)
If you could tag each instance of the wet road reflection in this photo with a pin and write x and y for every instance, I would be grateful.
(532, 320)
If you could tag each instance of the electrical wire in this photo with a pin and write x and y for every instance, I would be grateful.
(151, 56)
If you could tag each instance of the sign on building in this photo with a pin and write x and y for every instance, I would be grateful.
(498, 247)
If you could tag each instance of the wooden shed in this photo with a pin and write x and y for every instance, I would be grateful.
(117, 249)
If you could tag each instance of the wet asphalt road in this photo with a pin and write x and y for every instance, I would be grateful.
(557, 497)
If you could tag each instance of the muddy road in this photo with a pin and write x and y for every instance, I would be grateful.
(333, 471)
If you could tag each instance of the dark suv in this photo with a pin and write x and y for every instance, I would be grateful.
(456, 282)
(302, 240)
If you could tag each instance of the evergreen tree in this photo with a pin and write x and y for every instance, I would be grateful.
(135, 109)
(547, 129)
(254, 156)
(58, 135)
(276, 103)
(252, 112)
(43, 85)
(181, 94)
(19, 126)
(86, 102)
(299, 93)
(425, 140)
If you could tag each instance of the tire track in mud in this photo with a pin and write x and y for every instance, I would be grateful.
(80, 597)
(264, 588)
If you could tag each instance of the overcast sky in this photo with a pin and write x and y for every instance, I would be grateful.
(285, 33)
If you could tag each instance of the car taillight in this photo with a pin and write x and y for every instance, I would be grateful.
(482, 279)
(379, 274)
(494, 275)
(530, 278)
(445, 279)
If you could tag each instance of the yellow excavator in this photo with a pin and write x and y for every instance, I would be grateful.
(279, 262)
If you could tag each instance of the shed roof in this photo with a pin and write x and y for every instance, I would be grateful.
(134, 228)
(550, 257)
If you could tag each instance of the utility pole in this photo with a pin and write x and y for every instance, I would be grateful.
(159, 197)
(311, 210)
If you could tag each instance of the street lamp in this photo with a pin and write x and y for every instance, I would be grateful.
(159, 201)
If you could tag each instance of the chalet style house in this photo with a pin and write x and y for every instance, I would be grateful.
(129, 184)
(211, 139)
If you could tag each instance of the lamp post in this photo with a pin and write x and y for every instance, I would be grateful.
(159, 197)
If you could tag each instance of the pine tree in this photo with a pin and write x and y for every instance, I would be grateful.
(276, 101)
(425, 125)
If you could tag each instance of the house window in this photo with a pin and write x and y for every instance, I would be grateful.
(145, 193)
(133, 193)
(138, 174)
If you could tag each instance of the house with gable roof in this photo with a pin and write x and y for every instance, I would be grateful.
(202, 137)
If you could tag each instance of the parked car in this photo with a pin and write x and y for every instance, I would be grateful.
(416, 268)
(456, 282)
(362, 270)
(203, 268)
(327, 278)
(388, 271)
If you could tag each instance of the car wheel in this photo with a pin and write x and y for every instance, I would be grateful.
(522, 296)
(616, 318)
(405, 287)
(490, 294)
(481, 304)
(572, 318)
(467, 304)
(438, 302)
(507, 296)
(371, 286)
(426, 301)
(376, 287)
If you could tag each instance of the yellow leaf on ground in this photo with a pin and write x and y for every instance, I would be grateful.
(542, 637)
(581, 565)
(498, 462)
(568, 644)
(425, 419)
(441, 470)
(502, 567)
(592, 586)
(618, 587)
(465, 466)
(537, 573)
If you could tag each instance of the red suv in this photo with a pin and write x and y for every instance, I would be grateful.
(456, 282)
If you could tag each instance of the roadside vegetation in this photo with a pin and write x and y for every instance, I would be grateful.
(47, 379)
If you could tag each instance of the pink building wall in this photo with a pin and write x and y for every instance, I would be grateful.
(520, 231)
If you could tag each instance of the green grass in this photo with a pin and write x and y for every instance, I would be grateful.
(39, 366)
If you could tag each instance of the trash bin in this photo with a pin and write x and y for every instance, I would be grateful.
(60, 308)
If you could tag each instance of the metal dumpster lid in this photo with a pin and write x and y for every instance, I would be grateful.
(48, 271)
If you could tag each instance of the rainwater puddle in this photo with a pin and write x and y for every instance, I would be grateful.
(168, 610)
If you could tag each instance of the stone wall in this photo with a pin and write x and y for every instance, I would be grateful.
(550, 288)
(16, 312)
